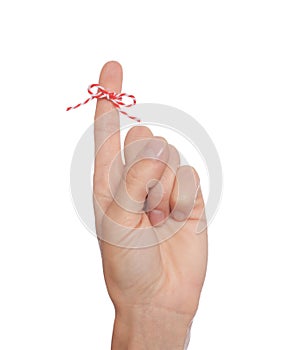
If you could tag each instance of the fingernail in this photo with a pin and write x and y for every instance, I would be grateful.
(179, 215)
(156, 217)
(153, 149)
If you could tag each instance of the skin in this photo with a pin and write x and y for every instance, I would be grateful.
(155, 289)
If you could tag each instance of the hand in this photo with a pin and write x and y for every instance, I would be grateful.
(155, 288)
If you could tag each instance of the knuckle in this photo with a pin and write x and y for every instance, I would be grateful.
(136, 133)
(174, 154)
(132, 178)
(188, 169)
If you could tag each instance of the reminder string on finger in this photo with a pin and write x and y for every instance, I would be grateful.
(118, 100)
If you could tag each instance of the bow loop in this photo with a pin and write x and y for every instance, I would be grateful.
(118, 100)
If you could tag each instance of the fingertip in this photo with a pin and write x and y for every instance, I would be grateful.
(161, 138)
(111, 79)
(111, 76)
(156, 148)
(111, 68)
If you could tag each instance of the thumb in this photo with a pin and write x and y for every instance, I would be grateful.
(138, 177)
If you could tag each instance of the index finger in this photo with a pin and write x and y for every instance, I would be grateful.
(107, 132)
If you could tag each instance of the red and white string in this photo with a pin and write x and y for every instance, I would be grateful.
(118, 100)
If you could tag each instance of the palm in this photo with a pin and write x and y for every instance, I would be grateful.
(170, 274)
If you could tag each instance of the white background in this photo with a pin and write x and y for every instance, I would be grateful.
(227, 63)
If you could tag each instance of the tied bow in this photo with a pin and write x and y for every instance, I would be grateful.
(118, 100)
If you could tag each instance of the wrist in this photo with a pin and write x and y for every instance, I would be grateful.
(150, 327)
